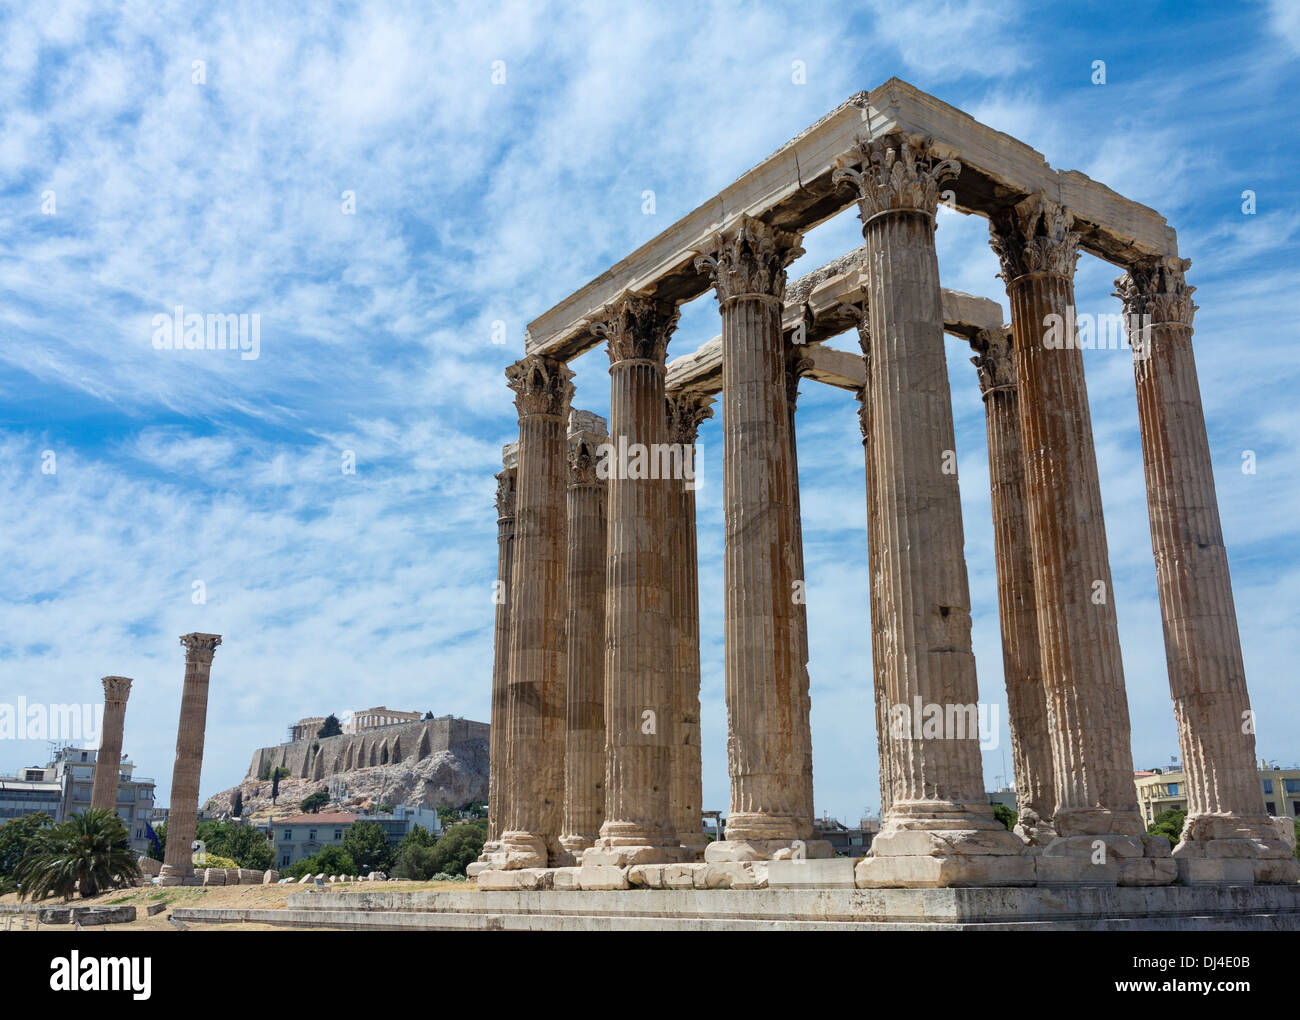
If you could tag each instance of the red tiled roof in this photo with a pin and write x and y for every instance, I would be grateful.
(321, 819)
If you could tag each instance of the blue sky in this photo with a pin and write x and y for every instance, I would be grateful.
(478, 202)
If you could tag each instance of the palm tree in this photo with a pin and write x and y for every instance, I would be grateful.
(88, 852)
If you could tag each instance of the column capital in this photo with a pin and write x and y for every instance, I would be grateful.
(748, 260)
(587, 432)
(542, 386)
(116, 688)
(507, 482)
(687, 409)
(797, 365)
(897, 173)
(1157, 287)
(994, 360)
(1034, 237)
(637, 327)
(200, 647)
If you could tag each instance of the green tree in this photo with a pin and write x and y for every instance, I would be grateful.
(314, 802)
(332, 727)
(458, 848)
(332, 860)
(415, 862)
(446, 815)
(89, 852)
(278, 773)
(1005, 815)
(16, 838)
(246, 845)
(367, 845)
(264, 773)
(1168, 823)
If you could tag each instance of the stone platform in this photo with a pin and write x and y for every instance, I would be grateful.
(1096, 908)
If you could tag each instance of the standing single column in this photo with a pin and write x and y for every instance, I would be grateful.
(1031, 747)
(686, 410)
(182, 815)
(584, 753)
(639, 709)
(535, 727)
(1207, 675)
(1078, 632)
(880, 692)
(796, 364)
(768, 738)
(939, 828)
(108, 761)
(498, 745)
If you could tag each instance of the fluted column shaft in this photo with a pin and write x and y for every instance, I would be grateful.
(1207, 676)
(639, 708)
(584, 756)
(685, 412)
(108, 760)
(1031, 749)
(880, 693)
(939, 828)
(498, 745)
(1078, 632)
(536, 686)
(796, 365)
(766, 683)
(182, 814)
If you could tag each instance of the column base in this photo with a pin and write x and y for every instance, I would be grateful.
(571, 850)
(695, 846)
(173, 874)
(606, 855)
(732, 850)
(1035, 830)
(517, 850)
(1236, 850)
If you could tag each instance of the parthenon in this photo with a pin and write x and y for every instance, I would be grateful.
(596, 769)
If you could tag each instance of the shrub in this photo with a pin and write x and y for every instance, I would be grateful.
(213, 861)
(332, 860)
(1005, 815)
(88, 852)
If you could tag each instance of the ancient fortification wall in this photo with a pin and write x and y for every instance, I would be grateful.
(415, 741)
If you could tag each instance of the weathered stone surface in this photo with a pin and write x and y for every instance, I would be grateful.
(270, 877)
(108, 761)
(182, 817)
(599, 876)
(833, 873)
(149, 866)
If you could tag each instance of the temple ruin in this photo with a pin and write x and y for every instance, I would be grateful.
(595, 772)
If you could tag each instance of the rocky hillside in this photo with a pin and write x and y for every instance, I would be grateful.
(445, 778)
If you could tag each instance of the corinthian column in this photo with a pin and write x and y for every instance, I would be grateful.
(584, 752)
(1207, 677)
(939, 828)
(535, 709)
(880, 693)
(1078, 634)
(686, 410)
(108, 762)
(796, 364)
(182, 815)
(498, 746)
(639, 708)
(766, 683)
(1031, 748)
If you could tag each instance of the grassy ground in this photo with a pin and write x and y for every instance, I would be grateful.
(265, 897)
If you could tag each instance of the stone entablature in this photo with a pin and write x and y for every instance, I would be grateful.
(312, 758)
